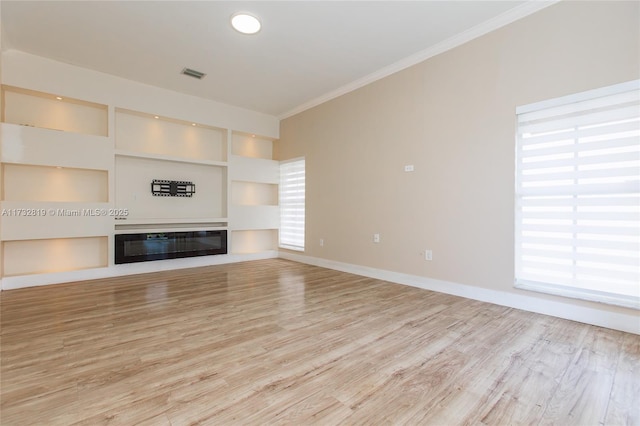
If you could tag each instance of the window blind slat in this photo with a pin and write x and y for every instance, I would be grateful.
(588, 119)
(611, 129)
(582, 147)
(582, 106)
(623, 200)
(584, 189)
(577, 216)
(572, 271)
(586, 244)
(609, 260)
(577, 229)
(580, 161)
(582, 174)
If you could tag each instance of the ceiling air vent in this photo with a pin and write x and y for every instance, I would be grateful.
(193, 73)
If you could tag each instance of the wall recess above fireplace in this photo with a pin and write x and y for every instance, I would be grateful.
(172, 188)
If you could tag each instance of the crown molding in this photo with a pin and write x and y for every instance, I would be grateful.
(505, 18)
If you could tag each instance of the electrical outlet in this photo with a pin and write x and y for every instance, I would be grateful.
(408, 168)
(428, 255)
(376, 238)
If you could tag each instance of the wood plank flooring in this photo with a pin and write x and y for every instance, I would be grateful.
(277, 342)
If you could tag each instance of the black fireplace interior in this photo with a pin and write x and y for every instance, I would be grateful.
(148, 246)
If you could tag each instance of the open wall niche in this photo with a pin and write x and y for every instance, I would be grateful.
(252, 146)
(53, 255)
(22, 182)
(254, 241)
(143, 133)
(133, 177)
(254, 193)
(37, 109)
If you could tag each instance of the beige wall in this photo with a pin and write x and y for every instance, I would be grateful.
(452, 117)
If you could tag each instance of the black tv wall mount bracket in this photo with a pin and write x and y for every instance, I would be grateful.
(172, 188)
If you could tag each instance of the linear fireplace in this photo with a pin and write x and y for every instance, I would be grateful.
(148, 246)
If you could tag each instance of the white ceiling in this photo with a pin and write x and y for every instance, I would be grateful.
(306, 51)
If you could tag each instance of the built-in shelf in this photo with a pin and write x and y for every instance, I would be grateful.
(253, 193)
(173, 228)
(254, 241)
(53, 111)
(166, 137)
(28, 220)
(176, 222)
(22, 182)
(254, 170)
(36, 146)
(57, 160)
(122, 153)
(251, 146)
(43, 256)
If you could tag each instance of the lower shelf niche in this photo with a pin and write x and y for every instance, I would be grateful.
(30, 257)
(254, 241)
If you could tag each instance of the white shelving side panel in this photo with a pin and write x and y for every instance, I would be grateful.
(123, 153)
(45, 147)
(254, 169)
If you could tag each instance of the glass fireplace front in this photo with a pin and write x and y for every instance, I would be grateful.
(148, 246)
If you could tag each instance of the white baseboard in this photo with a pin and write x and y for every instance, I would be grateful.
(11, 283)
(629, 323)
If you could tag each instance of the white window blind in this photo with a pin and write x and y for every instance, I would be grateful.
(578, 196)
(292, 202)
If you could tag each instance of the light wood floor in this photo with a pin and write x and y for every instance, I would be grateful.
(276, 342)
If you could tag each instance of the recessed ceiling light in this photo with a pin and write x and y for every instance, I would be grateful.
(245, 23)
(156, 117)
(58, 98)
(193, 124)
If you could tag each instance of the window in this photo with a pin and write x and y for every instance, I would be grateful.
(292, 200)
(578, 196)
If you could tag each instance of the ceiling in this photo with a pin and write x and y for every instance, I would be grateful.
(307, 51)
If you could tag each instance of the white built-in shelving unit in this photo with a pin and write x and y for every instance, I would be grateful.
(60, 156)
(254, 177)
(56, 159)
